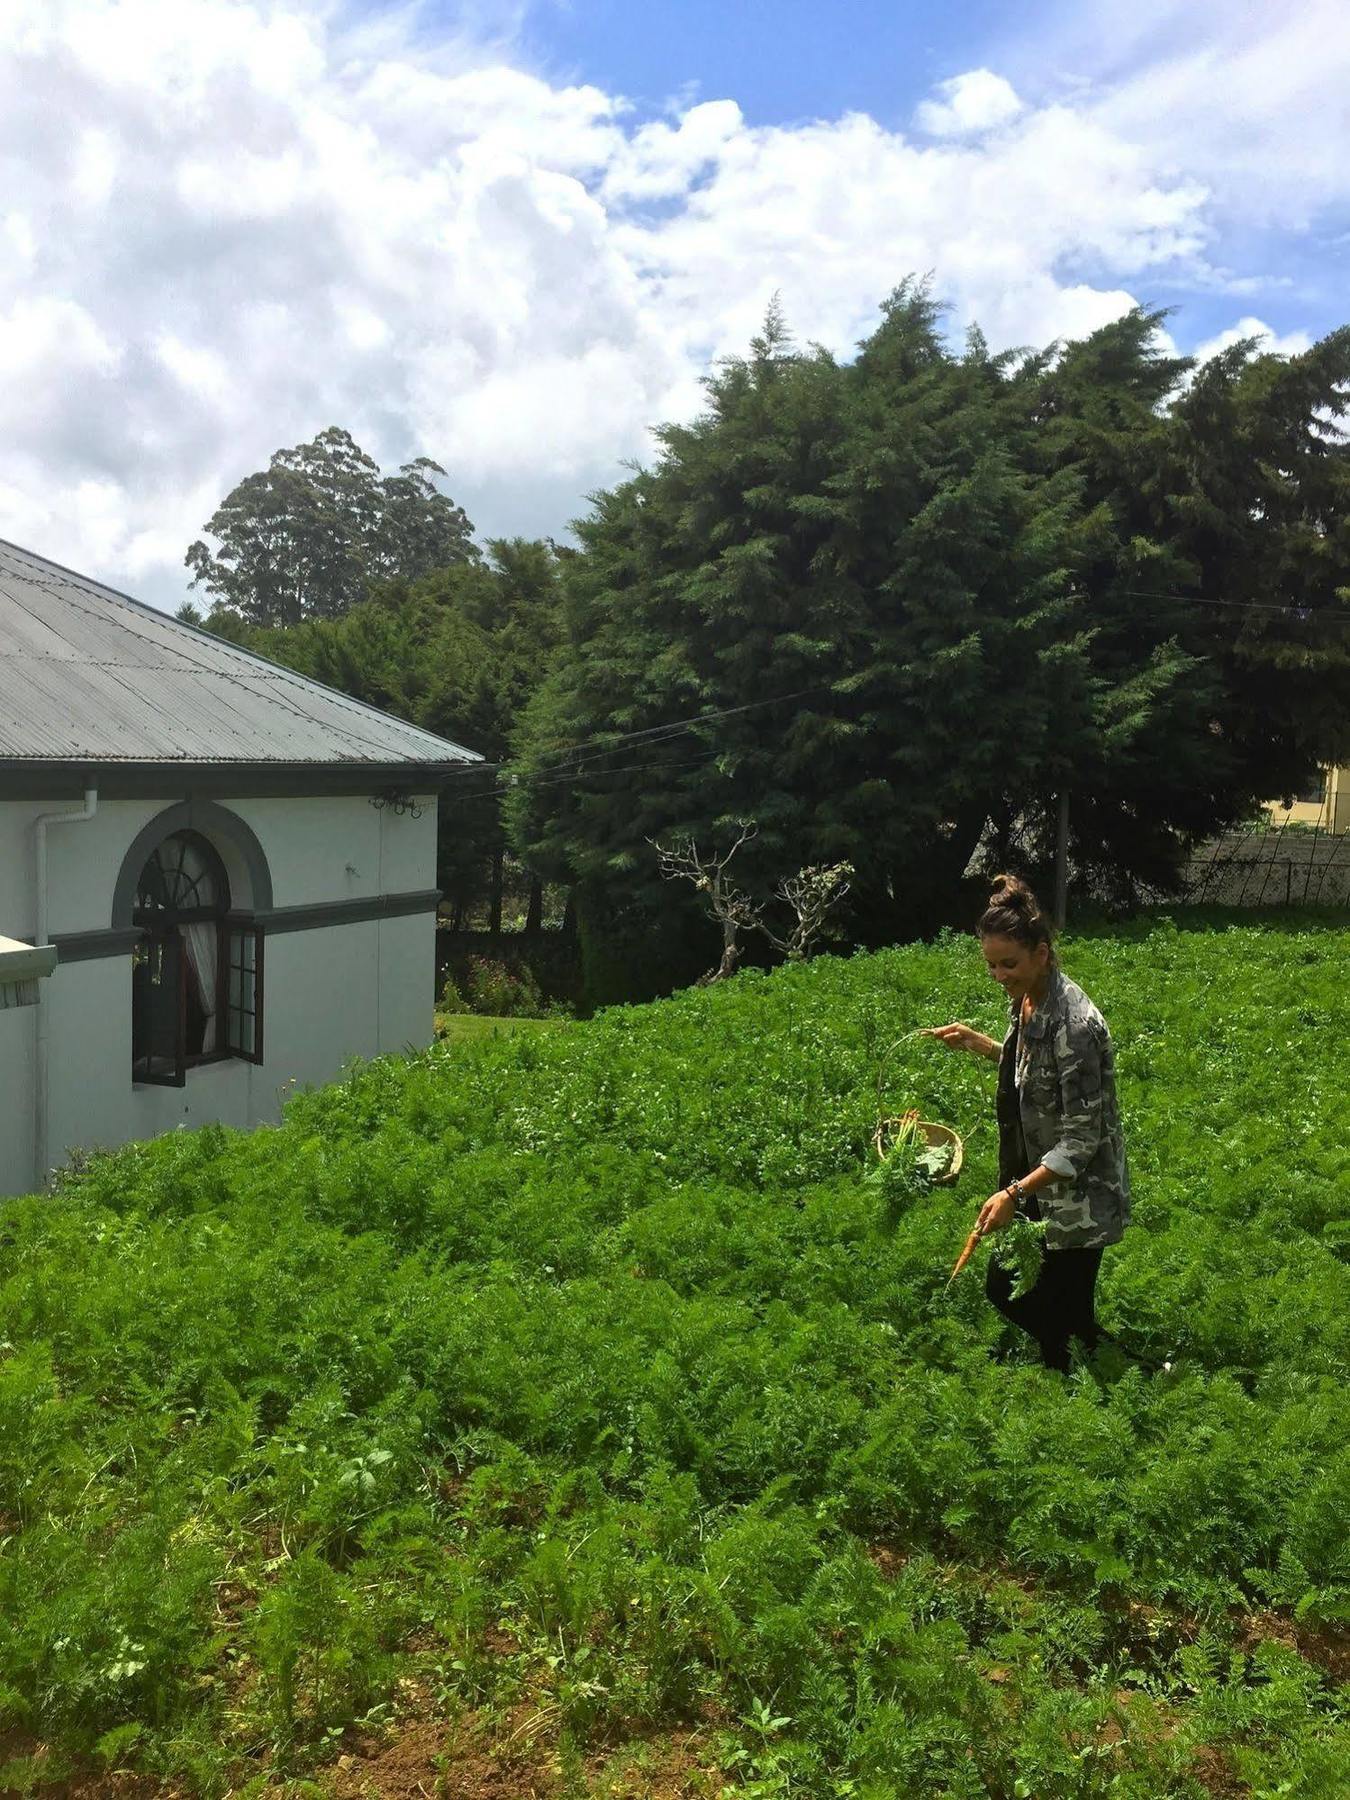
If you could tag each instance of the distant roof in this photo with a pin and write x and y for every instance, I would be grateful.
(88, 675)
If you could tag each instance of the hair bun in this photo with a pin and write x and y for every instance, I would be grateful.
(1014, 894)
(1014, 912)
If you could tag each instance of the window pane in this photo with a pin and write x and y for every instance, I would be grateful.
(157, 1046)
(244, 992)
(184, 875)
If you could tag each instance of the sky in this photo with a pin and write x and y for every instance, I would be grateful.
(513, 235)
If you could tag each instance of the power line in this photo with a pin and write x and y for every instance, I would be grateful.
(571, 775)
(1263, 606)
(592, 747)
(672, 725)
(590, 750)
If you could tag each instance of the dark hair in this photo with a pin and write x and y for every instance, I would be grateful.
(1014, 912)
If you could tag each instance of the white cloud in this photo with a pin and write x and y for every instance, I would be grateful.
(970, 104)
(198, 370)
(1289, 343)
(270, 220)
(661, 161)
(48, 337)
(1249, 97)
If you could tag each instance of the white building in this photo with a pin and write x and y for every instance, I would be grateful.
(236, 867)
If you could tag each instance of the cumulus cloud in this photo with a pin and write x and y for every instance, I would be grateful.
(265, 219)
(1268, 342)
(969, 104)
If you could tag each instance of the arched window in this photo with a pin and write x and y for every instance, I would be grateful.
(196, 974)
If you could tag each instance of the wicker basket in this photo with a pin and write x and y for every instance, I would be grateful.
(931, 1134)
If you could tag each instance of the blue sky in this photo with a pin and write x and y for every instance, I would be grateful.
(513, 234)
(783, 62)
(794, 61)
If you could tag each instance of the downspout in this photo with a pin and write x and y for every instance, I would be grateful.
(41, 1089)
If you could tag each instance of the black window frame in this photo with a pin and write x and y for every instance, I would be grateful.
(238, 1027)
(242, 1025)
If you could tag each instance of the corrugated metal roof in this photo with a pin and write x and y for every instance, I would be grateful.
(90, 675)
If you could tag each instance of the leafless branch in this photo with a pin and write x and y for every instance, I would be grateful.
(729, 905)
(810, 895)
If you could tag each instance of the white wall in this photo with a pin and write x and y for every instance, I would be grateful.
(16, 1098)
(407, 981)
(342, 849)
(330, 992)
(83, 861)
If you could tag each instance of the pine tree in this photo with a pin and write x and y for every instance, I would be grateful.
(695, 598)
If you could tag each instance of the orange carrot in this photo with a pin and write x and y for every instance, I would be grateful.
(965, 1255)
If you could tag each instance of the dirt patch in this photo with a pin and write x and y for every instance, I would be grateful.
(1216, 1775)
(1325, 1646)
(517, 1759)
(428, 1758)
(77, 1782)
(673, 1768)
(889, 1561)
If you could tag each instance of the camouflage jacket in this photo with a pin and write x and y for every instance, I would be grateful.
(1066, 1093)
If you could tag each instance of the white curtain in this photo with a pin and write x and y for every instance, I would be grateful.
(202, 940)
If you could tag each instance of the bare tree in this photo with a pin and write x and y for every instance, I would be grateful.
(810, 895)
(730, 907)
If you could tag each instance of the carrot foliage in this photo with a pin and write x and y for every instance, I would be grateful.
(587, 1368)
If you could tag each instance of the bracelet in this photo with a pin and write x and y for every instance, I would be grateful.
(1014, 1192)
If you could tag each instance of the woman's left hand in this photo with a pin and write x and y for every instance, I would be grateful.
(996, 1212)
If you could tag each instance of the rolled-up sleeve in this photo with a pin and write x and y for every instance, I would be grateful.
(1079, 1056)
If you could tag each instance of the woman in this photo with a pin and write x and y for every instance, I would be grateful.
(1061, 1153)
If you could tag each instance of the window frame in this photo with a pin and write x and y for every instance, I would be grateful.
(161, 933)
(241, 928)
(169, 947)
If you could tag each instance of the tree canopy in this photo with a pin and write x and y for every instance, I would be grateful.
(308, 537)
(457, 651)
(901, 611)
(893, 609)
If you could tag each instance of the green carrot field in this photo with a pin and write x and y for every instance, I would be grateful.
(565, 1414)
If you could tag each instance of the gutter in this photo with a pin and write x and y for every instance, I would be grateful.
(42, 940)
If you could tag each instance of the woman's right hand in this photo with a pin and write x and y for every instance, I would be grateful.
(965, 1037)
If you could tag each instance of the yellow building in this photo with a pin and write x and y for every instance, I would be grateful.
(1326, 804)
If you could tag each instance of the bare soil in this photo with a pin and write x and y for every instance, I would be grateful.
(430, 1758)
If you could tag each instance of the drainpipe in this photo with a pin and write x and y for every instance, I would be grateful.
(41, 1090)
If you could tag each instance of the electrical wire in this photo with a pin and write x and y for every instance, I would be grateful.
(496, 793)
(672, 725)
(1264, 606)
(590, 750)
(592, 747)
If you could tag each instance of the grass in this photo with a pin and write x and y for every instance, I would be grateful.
(575, 1391)
(472, 1028)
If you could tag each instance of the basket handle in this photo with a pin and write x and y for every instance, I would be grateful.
(919, 1031)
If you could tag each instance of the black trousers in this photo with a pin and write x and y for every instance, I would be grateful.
(1057, 1307)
